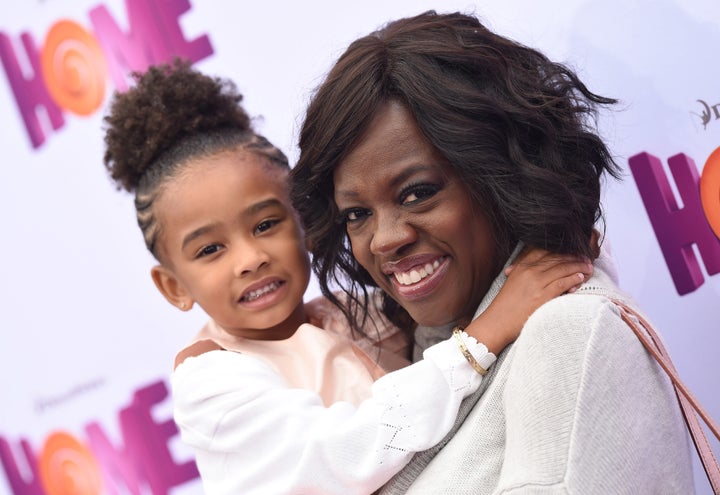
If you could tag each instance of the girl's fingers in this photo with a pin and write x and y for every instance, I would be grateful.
(570, 283)
(554, 266)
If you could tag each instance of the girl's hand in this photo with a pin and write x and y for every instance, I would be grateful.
(534, 278)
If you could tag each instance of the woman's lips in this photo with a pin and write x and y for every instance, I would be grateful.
(421, 280)
(416, 274)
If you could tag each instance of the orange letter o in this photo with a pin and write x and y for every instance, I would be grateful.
(710, 191)
(67, 467)
(74, 68)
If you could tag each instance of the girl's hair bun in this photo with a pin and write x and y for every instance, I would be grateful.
(167, 104)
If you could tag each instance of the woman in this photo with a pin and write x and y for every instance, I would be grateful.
(433, 151)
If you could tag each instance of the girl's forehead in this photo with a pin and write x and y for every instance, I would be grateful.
(236, 162)
(234, 176)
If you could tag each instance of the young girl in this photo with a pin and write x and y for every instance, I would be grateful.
(273, 394)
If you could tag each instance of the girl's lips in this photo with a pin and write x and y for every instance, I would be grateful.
(263, 293)
(251, 295)
(420, 280)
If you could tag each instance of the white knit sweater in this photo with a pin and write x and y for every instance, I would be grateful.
(574, 406)
(255, 433)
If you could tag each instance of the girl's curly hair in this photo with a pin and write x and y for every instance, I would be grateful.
(171, 115)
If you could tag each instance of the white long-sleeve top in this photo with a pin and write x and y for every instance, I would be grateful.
(576, 406)
(254, 433)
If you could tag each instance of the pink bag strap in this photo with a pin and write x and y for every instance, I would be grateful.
(688, 403)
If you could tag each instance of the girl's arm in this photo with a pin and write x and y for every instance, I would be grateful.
(254, 434)
(535, 277)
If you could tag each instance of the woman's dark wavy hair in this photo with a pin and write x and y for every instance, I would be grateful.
(173, 114)
(517, 127)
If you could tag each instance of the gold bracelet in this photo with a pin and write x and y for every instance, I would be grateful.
(457, 333)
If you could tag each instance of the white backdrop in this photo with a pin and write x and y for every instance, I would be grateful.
(87, 343)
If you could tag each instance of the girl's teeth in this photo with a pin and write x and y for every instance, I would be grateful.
(416, 275)
(251, 296)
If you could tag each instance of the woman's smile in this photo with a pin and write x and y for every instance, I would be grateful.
(416, 274)
(420, 281)
(414, 228)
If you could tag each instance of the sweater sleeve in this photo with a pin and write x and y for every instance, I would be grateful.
(254, 434)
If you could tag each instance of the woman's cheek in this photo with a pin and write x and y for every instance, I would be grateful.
(362, 255)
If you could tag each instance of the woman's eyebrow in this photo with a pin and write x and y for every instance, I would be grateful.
(395, 181)
(408, 172)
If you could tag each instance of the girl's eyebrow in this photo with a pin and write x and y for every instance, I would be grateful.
(253, 209)
(197, 233)
(261, 205)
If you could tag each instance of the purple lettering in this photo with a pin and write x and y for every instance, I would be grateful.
(144, 459)
(147, 442)
(19, 485)
(124, 52)
(116, 464)
(29, 93)
(677, 229)
(154, 36)
(168, 12)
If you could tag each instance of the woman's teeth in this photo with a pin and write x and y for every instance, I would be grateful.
(252, 295)
(417, 274)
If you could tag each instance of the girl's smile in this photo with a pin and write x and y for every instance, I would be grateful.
(230, 241)
(264, 293)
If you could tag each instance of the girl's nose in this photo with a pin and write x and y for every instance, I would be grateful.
(249, 259)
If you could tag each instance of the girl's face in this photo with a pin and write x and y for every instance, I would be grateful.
(412, 223)
(231, 242)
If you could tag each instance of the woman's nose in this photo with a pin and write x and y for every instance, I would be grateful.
(249, 259)
(392, 233)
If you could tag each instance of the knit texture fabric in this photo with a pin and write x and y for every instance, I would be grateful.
(575, 406)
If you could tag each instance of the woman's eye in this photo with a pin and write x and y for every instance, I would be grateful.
(354, 215)
(414, 194)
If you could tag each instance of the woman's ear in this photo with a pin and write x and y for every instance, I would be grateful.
(171, 288)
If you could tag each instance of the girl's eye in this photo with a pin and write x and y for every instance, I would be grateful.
(265, 225)
(417, 193)
(354, 215)
(208, 250)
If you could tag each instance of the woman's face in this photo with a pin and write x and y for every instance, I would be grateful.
(412, 224)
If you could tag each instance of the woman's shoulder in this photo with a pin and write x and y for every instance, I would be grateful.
(580, 328)
(589, 309)
(575, 318)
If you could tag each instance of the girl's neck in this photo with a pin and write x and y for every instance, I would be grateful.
(281, 331)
